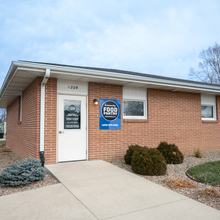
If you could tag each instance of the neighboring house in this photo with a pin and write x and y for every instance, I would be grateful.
(70, 113)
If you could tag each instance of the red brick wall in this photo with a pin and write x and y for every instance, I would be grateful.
(174, 117)
(24, 137)
(103, 144)
(50, 134)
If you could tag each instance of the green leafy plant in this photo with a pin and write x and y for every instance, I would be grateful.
(171, 153)
(148, 162)
(22, 173)
(129, 153)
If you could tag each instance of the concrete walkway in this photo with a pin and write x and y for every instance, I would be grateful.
(99, 190)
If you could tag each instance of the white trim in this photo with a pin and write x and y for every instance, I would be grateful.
(144, 81)
(136, 117)
(72, 87)
(209, 100)
(135, 94)
(21, 107)
(214, 113)
(97, 73)
(92, 75)
(87, 124)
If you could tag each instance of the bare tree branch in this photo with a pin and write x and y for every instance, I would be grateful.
(209, 68)
(3, 115)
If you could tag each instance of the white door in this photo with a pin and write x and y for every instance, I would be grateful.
(71, 128)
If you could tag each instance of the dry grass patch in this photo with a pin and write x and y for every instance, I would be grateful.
(176, 183)
(209, 192)
(198, 153)
(4, 150)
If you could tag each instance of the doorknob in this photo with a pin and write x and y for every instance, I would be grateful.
(61, 132)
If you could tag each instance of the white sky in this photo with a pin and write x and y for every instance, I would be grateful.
(157, 37)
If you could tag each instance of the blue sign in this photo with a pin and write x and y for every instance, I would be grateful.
(109, 114)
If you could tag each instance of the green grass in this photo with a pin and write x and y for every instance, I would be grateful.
(2, 141)
(207, 172)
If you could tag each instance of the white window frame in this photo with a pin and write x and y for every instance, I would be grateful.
(20, 110)
(135, 117)
(135, 94)
(205, 102)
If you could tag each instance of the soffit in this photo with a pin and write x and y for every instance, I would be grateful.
(21, 75)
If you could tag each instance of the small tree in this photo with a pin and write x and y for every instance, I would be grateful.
(3, 115)
(209, 67)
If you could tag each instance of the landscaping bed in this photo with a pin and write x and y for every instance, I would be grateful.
(201, 193)
(7, 156)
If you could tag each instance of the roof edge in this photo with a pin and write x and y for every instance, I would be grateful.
(122, 72)
(7, 79)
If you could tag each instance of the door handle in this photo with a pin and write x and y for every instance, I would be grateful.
(61, 132)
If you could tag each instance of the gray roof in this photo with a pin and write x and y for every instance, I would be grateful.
(126, 72)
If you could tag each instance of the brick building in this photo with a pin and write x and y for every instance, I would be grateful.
(69, 113)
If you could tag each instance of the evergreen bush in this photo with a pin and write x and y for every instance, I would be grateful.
(148, 162)
(171, 153)
(129, 153)
(22, 173)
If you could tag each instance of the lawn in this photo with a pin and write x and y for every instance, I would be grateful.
(2, 141)
(207, 173)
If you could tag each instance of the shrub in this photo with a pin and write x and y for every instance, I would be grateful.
(22, 173)
(148, 162)
(129, 153)
(171, 153)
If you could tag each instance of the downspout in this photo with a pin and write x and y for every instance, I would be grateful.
(42, 111)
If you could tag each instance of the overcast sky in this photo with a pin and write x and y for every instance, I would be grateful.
(157, 37)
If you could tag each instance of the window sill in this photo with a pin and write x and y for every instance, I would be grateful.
(19, 122)
(209, 122)
(135, 120)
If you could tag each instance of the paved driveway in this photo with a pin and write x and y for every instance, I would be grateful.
(99, 190)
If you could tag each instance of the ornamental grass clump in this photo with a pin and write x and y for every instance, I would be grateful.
(198, 153)
(176, 183)
(171, 153)
(22, 173)
(148, 162)
(129, 153)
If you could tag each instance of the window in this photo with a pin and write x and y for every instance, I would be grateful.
(133, 108)
(134, 103)
(20, 108)
(208, 107)
(207, 111)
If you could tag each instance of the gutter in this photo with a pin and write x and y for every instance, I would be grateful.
(42, 112)
(118, 76)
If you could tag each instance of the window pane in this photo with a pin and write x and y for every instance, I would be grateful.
(72, 110)
(133, 108)
(207, 111)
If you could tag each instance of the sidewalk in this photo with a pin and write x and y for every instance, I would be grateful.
(100, 190)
